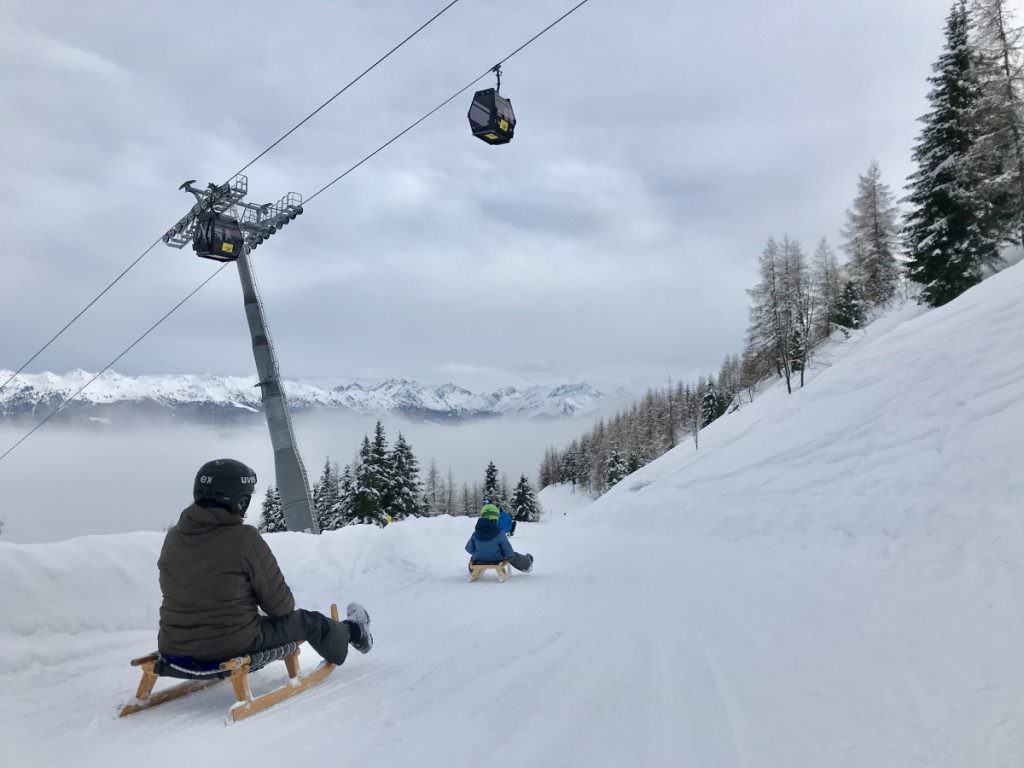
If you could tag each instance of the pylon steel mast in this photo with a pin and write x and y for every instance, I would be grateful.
(258, 222)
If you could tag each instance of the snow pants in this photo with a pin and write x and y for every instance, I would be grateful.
(521, 562)
(327, 637)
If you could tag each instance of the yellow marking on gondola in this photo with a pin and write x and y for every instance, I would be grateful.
(503, 124)
(491, 135)
(228, 247)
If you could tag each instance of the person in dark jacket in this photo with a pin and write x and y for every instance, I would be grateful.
(488, 544)
(216, 572)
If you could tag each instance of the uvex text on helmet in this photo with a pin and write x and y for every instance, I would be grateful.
(225, 483)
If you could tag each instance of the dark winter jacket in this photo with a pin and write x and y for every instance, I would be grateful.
(488, 544)
(214, 572)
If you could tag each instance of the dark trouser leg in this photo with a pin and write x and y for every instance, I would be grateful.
(513, 531)
(520, 562)
(327, 637)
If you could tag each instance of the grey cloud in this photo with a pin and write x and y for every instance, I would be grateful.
(659, 144)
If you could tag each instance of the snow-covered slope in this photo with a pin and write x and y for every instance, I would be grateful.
(834, 580)
(213, 397)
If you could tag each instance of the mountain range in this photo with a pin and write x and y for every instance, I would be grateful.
(206, 398)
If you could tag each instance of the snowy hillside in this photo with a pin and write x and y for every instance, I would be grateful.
(191, 397)
(833, 580)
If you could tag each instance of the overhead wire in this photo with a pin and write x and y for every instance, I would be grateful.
(443, 104)
(113, 362)
(305, 202)
(81, 312)
(284, 136)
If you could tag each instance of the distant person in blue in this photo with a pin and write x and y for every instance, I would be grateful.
(489, 544)
(505, 521)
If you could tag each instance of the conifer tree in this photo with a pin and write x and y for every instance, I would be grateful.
(632, 462)
(525, 508)
(325, 497)
(849, 310)
(379, 463)
(872, 238)
(709, 410)
(617, 468)
(272, 514)
(491, 481)
(368, 487)
(948, 236)
(404, 488)
(343, 511)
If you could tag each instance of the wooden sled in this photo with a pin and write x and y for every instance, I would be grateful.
(503, 569)
(237, 670)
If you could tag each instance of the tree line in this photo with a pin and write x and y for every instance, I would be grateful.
(966, 203)
(382, 485)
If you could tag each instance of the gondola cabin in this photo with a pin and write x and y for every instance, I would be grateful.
(491, 117)
(218, 237)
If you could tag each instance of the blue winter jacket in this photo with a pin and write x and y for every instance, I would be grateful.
(504, 521)
(488, 544)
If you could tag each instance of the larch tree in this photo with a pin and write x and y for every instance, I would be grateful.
(770, 334)
(872, 238)
(997, 155)
(827, 286)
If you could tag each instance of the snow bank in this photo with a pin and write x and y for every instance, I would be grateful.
(914, 433)
(109, 583)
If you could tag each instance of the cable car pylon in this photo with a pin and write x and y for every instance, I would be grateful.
(223, 227)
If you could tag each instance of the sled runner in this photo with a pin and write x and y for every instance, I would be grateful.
(503, 569)
(198, 676)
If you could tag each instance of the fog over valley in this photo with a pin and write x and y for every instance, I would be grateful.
(73, 480)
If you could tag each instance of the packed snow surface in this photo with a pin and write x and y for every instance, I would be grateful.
(835, 579)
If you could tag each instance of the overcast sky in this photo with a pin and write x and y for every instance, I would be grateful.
(659, 144)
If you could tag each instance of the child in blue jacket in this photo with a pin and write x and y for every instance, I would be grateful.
(489, 544)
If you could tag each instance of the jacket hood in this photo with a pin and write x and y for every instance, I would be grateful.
(486, 529)
(196, 519)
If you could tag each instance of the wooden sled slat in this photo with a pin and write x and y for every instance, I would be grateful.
(246, 704)
(503, 569)
(182, 689)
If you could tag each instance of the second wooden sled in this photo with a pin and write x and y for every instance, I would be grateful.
(503, 569)
(155, 666)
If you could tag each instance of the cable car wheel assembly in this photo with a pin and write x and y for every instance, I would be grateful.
(221, 223)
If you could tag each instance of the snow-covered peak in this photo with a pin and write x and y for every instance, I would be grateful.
(231, 395)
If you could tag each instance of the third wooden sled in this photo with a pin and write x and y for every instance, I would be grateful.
(503, 569)
(155, 666)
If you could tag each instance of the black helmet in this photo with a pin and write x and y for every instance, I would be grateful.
(224, 483)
